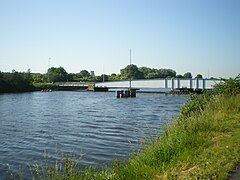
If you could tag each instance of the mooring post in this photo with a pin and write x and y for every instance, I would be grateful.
(132, 93)
(127, 93)
(118, 94)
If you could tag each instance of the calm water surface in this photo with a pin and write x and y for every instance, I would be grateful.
(98, 125)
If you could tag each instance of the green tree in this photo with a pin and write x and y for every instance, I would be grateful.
(131, 71)
(28, 76)
(187, 75)
(152, 75)
(103, 77)
(113, 77)
(146, 71)
(38, 78)
(228, 87)
(164, 73)
(84, 73)
(179, 76)
(16, 82)
(1, 75)
(70, 77)
(199, 76)
(57, 74)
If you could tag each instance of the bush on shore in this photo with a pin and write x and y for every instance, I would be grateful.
(15, 82)
(228, 87)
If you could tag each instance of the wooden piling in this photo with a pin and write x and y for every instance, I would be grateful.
(126, 93)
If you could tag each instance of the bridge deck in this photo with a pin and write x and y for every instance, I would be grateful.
(162, 83)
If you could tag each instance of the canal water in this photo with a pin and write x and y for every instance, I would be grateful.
(96, 126)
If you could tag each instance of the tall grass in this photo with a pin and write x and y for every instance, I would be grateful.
(191, 144)
(203, 142)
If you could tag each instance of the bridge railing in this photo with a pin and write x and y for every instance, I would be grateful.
(162, 83)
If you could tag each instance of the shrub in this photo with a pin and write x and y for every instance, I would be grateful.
(196, 103)
(228, 86)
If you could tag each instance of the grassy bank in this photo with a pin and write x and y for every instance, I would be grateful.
(203, 142)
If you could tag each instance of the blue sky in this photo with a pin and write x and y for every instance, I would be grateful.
(200, 36)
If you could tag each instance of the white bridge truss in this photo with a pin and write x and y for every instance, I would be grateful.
(162, 83)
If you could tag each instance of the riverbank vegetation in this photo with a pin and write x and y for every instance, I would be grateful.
(201, 143)
(16, 82)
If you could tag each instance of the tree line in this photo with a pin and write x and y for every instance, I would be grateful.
(16, 82)
(131, 71)
(27, 81)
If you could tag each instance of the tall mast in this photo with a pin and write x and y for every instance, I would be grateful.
(130, 81)
(49, 59)
(103, 74)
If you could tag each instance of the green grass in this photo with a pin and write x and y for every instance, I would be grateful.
(203, 144)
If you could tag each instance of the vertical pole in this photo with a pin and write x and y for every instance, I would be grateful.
(178, 80)
(103, 74)
(130, 81)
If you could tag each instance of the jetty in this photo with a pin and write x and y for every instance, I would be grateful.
(126, 93)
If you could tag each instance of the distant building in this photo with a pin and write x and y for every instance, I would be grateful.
(92, 73)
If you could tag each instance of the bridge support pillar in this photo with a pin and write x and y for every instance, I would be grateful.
(204, 83)
(197, 83)
(190, 83)
(172, 84)
(166, 83)
(178, 83)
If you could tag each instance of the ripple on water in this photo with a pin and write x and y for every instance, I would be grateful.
(96, 124)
